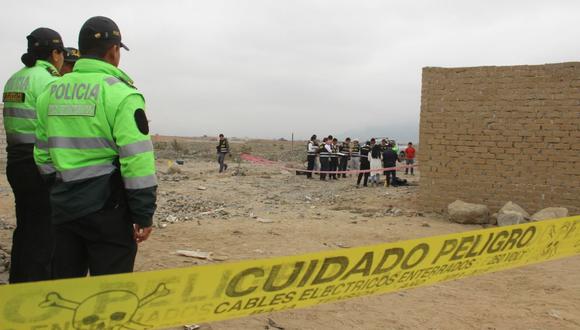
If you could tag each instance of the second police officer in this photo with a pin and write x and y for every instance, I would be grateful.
(93, 143)
(32, 239)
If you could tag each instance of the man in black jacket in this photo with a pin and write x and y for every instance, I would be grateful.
(390, 160)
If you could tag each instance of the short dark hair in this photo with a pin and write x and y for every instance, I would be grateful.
(99, 50)
(411, 143)
(347, 139)
(313, 137)
(221, 135)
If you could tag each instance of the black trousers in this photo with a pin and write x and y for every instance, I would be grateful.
(333, 166)
(364, 165)
(343, 165)
(391, 176)
(324, 166)
(32, 240)
(310, 167)
(100, 243)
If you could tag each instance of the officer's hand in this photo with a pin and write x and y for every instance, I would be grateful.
(141, 234)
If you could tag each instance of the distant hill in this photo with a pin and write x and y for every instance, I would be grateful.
(402, 132)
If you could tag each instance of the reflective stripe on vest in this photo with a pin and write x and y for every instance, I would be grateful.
(135, 148)
(20, 138)
(86, 172)
(140, 182)
(19, 113)
(80, 143)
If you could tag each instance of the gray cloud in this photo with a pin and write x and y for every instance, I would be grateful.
(267, 68)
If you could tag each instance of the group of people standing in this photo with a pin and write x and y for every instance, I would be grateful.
(332, 159)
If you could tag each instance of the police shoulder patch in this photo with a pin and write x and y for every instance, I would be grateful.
(141, 121)
(15, 97)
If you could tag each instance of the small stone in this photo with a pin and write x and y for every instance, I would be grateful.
(424, 224)
(550, 213)
(508, 218)
(201, 188)
(513, 207)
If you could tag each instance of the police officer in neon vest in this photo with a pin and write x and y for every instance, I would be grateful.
(71, 55)
(93, 141)
(32, 239)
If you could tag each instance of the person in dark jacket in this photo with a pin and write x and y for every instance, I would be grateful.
(223, 148)
(390, 160)
(364, 163)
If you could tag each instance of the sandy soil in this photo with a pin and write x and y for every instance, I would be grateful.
(217, 213)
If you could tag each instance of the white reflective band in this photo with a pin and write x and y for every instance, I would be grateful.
(80, 143)
(46, 168)
(86, 172)
(140, 182)
(135, 148)
(20, 113)
(20, 138)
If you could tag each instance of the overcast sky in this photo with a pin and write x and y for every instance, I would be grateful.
(266, 68)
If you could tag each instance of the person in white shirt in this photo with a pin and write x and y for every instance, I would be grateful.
(311, 150)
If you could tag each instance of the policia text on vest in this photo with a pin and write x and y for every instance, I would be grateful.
(93, 146)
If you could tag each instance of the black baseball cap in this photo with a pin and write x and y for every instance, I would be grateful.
(99, 31)
(71, 54)
(44, 39)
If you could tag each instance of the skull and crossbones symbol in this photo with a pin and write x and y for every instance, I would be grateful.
(107, 310)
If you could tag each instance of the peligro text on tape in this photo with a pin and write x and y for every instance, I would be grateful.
(172, 297)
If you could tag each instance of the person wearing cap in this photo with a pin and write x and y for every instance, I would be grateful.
(32, 239)
(93, 144)
(71, 56)
(344, 151)
(365, 164)
(324, 152)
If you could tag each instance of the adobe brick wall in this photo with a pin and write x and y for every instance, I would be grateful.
(493, 134)
(2, 142)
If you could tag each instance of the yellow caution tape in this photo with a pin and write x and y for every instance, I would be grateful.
(170, 297)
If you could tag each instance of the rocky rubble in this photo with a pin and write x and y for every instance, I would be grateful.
(178, 208)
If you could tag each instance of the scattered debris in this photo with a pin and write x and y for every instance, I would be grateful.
(393, 211)
(201, 255)
(274, 325)
(191, 327)
(555, 314)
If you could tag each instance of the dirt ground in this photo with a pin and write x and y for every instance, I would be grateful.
(201, 209)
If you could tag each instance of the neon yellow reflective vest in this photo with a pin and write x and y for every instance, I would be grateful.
(20, 117)
(92, 125)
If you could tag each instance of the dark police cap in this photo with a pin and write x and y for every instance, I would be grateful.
(99, 31)
(71, 54)
(44, 38)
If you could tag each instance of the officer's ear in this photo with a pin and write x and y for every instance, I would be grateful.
(113, 55)
(57, 58)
